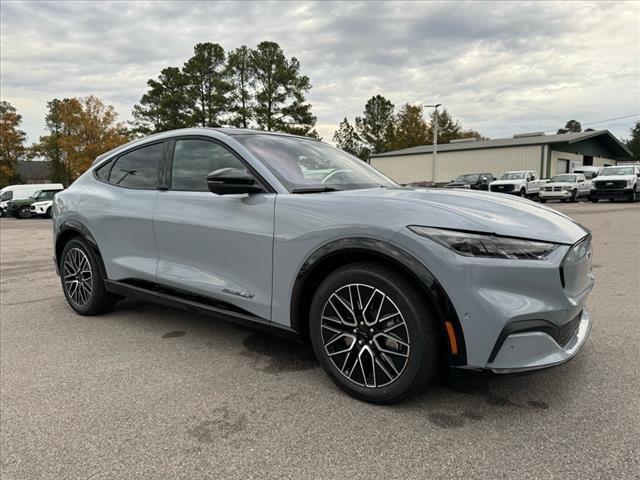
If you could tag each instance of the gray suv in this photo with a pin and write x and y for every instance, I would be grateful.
(292, 235)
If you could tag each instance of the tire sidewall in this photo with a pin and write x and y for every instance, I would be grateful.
(24, 216)
(423, 338)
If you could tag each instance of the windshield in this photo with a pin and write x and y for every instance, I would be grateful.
(470, 178)
(8, 195)
(617, 171)
(299, 163)
(563, 178)
(512, 176)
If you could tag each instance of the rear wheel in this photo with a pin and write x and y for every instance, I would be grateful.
(373, 333)
(24, 212)
(82, 281)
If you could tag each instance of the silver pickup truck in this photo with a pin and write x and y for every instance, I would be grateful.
(524, 183)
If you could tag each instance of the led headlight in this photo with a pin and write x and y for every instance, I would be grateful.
(487, 245)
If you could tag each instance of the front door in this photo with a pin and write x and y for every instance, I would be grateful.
(218, 246)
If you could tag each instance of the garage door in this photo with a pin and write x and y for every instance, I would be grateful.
(563, 166)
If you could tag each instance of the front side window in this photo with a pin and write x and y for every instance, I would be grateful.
(138, 168)
(194, 160)
(300, 163)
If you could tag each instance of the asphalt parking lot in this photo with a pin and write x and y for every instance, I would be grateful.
(151, 392)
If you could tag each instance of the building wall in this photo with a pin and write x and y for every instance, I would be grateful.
(572, 157)
(414, 168)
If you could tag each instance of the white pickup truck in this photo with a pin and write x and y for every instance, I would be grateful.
(525, 183)
(565, 187)
(622, 181)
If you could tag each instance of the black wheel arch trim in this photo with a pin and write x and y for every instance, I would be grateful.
(436, 295)
(76, 226)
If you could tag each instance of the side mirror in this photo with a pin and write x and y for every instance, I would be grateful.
(229, 181)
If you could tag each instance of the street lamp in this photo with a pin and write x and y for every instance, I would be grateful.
(435, 141)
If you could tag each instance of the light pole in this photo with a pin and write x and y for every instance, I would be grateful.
(435, 141)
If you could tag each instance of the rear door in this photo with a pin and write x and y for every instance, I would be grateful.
(217, 246)
(121, 212)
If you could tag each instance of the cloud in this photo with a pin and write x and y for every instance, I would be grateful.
(501, 67)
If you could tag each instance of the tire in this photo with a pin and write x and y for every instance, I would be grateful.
(89, 297)
(394, 369)
(24, 212)
(523, 193)
(48, 214)
(632, 197)
(594, 200)
(574, 196)
(543, 200)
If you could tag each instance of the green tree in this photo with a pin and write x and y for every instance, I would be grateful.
(572, 126)
(449, 128)
(376, 127)
(242, 83)
(633, 143)
(164, 106)
(411, 129)
(12, 143)
(207, 84)
(280, 90)
(346, 138)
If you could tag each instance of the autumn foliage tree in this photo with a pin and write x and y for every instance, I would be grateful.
(80, 129)
(12, 143)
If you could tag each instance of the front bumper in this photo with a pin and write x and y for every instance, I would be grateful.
(562, 194)
(533, 350)
(38, 210)
(602, 193)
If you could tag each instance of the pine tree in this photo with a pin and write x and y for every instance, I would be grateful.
(242, 81)
(375, 127)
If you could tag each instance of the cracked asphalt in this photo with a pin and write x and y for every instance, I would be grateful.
(148, 392)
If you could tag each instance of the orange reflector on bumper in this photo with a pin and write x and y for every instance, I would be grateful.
(451, 334)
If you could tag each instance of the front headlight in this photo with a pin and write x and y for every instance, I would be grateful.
(487, 245)
(629, 183)
(567, 188)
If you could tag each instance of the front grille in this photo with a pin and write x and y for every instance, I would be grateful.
(501, 188)
(552, 189)
(565, 332)
(610, 184)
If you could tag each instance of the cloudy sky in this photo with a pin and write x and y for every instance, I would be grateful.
(501, 68)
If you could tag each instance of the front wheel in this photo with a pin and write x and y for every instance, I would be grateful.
(523, 193)
(48, 214)
(82, 281)
(574, 195)
(634, 195)
(543, 200)
(373, 333)
(24, 212)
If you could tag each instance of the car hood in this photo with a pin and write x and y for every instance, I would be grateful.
(458, 184)
(611, 178)
(471, 210)
(23, 201)
(506, 182)
(560, 184)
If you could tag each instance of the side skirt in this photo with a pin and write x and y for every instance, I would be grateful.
(153, 293)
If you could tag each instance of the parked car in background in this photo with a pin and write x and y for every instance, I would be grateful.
(565, 187)
(42, 209)
(590, 172)
(387, 283)
(617, 182)
(524, 183)
(22, 208)
(472, 181)
(20, 192)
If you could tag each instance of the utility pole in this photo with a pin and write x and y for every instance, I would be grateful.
(435, 141)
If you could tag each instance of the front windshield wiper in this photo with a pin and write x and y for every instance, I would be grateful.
(313, 189)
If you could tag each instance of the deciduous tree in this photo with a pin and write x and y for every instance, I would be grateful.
(12, 143)
(411, 129)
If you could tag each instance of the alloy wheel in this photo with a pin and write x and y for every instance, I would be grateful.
(78, 276)
(365, 335)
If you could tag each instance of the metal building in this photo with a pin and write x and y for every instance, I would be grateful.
(546, 154)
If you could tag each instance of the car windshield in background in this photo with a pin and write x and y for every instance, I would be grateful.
(563, 178)
(467, 178)
(617, 171)
(303, 164)
(35, 195)
(512, 176)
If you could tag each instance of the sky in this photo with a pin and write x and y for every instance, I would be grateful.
(500, 68)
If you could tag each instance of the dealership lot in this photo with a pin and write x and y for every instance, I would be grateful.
(151, 392)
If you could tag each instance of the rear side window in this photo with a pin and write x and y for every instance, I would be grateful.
(139, 168)
(194, 159)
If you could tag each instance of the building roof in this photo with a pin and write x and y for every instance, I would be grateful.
(33, 169)
(604, 136)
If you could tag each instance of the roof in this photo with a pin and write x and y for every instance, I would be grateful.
(33, 169)
(603, 135)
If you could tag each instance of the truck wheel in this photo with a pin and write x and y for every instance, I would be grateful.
(24, 212)
(574, 195)
(543, 200)
(48, 214)
(594, 200)
(632, 197)
(523, 193)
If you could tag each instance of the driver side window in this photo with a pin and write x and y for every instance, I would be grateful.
(194, 159)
